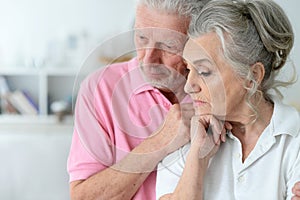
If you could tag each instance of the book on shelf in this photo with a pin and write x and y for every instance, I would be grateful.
(5, 106)
(4, 89)
(22, 102)
(16, 102)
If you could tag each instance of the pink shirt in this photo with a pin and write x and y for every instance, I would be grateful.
(115, 111)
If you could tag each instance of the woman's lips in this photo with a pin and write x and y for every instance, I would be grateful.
(199, 103)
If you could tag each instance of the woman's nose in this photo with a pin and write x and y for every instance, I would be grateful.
(191, 85)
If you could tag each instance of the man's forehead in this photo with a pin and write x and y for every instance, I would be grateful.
(149, 17)
(160, 31)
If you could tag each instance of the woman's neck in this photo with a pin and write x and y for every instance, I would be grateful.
(248, 128)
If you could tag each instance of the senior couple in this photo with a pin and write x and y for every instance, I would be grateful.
(197, 114)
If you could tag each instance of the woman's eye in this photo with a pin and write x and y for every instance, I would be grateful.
(204, 73)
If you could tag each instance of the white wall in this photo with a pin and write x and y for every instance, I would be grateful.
(292, 95)
(33, 162)
(30, 27)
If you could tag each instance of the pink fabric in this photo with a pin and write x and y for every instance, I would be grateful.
(115, 111)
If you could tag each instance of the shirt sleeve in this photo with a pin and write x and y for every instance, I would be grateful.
(294, 176)
(170, 170)
(91, 150)
(81, 164)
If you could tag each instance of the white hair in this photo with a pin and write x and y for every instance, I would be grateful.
(252, 31)
(185, 8)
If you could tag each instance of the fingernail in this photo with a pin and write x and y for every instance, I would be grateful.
(224, 138)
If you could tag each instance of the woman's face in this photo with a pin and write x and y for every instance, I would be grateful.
(212, 84)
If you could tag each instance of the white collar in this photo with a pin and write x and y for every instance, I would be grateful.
(285, 119)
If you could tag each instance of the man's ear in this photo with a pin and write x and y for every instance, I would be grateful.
(258, 71)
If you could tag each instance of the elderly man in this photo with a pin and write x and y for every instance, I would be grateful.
(118, 137)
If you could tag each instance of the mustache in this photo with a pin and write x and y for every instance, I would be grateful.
(155, 68)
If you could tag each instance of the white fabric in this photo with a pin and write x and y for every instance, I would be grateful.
(268, 173)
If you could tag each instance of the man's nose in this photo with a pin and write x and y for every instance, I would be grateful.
(152, 55)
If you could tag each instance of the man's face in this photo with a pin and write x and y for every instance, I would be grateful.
(159, 39)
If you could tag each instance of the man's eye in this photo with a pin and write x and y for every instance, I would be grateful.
(169, 48)
(142, 37)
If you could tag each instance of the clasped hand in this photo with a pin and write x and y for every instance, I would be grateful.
(207, 133)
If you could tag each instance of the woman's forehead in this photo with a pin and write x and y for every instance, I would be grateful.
(207, 46)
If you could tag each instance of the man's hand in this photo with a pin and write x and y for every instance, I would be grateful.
(175, 131)
(296, 191)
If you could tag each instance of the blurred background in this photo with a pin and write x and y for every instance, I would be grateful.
(43, 45)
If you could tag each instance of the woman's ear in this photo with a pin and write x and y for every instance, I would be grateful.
(258, 71)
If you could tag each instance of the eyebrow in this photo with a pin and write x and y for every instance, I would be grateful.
(202, 60)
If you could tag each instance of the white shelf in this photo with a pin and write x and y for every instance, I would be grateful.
(10, 71)
(45, 85)
(34, 120)
(56, 71)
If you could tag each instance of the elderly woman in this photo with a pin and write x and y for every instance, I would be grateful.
(245, 143)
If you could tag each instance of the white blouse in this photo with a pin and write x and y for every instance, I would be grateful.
(268, 173)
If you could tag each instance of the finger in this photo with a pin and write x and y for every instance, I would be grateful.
(223, 135)
(297, 185)
(296, 192)
(217, 127)
(228, 125)
(197, 128)
(296, 189)
(213, 132)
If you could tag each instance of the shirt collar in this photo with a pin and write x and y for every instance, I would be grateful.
(285, 119)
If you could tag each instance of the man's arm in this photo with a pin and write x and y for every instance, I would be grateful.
(122, 180)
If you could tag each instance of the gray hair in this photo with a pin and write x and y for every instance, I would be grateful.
(183, 8)
(251, 31)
